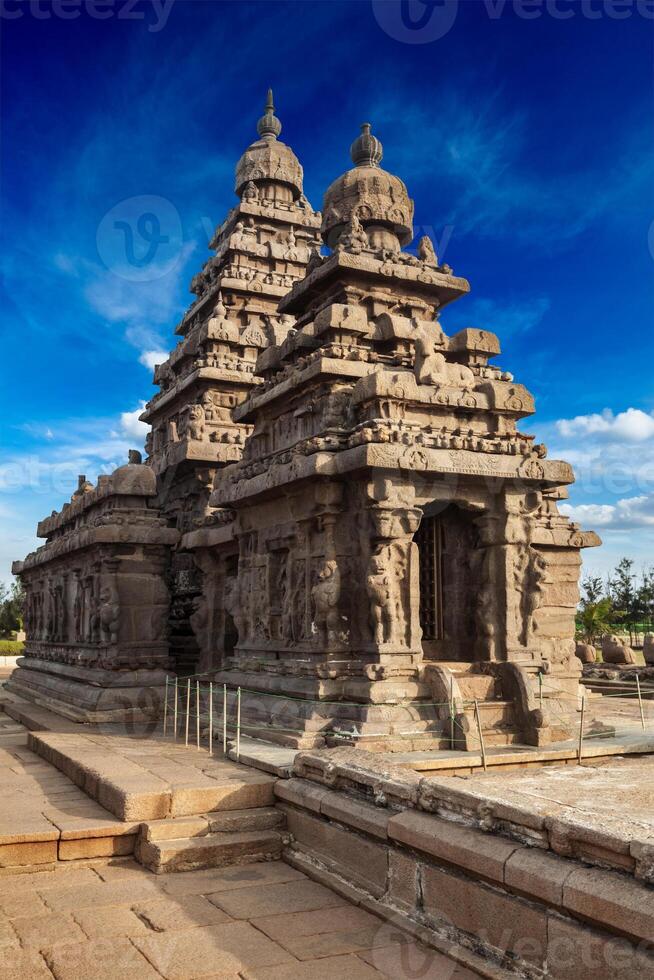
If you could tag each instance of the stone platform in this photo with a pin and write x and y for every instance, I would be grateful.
(544, 873)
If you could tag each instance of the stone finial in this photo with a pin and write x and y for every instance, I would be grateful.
(81, 481)
(134, 457)
(269, 126)
(219, 309)
(366, 151)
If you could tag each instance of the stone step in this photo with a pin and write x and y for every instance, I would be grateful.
(228, 821)
(501, 737)
(493, 714)
(257, 754)
(152, 779)
(262, 818)
(213, 850)
(481, 687)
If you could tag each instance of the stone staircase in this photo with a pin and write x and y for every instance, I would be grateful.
(471, 682)
(211, 840)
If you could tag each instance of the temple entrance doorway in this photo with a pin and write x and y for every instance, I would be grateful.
(449, 561)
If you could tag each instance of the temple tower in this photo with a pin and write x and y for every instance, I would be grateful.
(259, 251)
(389, 540)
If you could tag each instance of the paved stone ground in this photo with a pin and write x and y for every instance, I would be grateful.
(255, 922)
(101, 920)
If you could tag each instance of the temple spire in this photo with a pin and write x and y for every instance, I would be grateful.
(269, 126)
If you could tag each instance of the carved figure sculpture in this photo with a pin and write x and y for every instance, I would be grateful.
(232, 604)
(199, 621)
(431, 368)
(586, 653)
(325, 594)
(354, 238)
(379, 587)
(648, 648)
(109, 613)
(195, 423)
(614, 651)
(426, 251)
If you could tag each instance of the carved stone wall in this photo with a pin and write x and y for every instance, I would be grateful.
(97, 604)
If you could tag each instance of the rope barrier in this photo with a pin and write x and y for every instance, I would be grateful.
(202, 708)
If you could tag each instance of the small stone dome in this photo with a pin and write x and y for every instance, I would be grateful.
(375, 196)
(134, 478)
(268, 159)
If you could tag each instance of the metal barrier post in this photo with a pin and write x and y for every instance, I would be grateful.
(238, 724)
(188, 709)
(197, 714)
(640, 702)
(581, 726)
(165, 718)
(481, 736)
(210, 717)
(452, 713)
(175, 711)
(224, 719)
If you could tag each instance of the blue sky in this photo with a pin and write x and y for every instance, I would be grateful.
(524, 134)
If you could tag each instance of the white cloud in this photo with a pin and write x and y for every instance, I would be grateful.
(632, 425)
(131, 425)
(150, 358)
(625, 514)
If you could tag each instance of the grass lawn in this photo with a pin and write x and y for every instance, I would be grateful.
(11, 648)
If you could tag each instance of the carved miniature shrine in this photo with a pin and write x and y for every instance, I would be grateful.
(381, 543)
(96, 613)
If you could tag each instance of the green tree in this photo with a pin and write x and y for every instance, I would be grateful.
(593, 588)
(645, 598)
(11, 608)
(594, 620)
(622, 592)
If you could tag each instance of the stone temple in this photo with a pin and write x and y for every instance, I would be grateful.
(337, 514)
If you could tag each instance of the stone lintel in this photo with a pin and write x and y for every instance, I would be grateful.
(201, 451)
(423, 281)
(108, 534)
(221, 375)
(565, 537)
(457, 463)
(208, 537)
(322, 366)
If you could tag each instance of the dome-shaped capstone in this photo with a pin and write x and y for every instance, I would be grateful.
(377, 198)
(268, 159)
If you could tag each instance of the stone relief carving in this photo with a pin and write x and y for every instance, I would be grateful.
(431, 368)
(326, 594)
